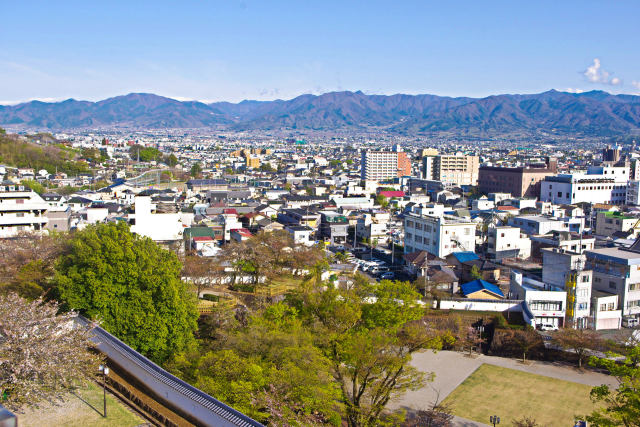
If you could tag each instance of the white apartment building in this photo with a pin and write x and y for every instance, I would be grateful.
(605, 313)
(507, 242)
(371, 227)
(601, 184)
(438, 235)
(383, 165)
(21, 210)
(633, 192)
(617, 270)
(544, 305)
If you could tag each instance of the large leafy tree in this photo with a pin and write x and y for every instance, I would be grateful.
(369, 334)
(41, 356)
(621, 407)
(132, 285)
(268, 368)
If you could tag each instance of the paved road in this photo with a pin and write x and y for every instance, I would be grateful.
(452, 368)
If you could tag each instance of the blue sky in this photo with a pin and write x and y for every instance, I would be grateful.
(233, 50)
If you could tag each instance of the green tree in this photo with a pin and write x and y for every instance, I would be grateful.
(475, 272)
(171, 160)
(621, 407)
(196, 170)
(132, 285)
(34, 185)
(370, 343)
(268, 369)
(382, 201)
(144, 154)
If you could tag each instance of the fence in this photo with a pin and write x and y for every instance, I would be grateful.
(480, 305)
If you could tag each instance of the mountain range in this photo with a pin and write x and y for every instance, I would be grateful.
(594, 113)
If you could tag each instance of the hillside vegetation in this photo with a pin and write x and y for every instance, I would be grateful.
(20, 153)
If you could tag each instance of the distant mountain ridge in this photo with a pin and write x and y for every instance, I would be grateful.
(594, 113)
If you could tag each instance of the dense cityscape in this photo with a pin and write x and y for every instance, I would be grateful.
(200, 226)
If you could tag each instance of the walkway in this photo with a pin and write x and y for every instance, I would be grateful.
(452, 368)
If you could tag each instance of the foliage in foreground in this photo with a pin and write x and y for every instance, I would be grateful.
(42, 356)
(132, 285)
(622, 405)
(321, 356)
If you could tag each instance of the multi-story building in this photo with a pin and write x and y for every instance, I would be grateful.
(633, 192)
(369, 227)
(611, 154)
(334, 227)
(545, 303)
(507, 242)
(438, 235)
(601, 184)
(21, 210)
(518, 181)
(610, 222)
(382, 165)
(451, 169)
(617, 270)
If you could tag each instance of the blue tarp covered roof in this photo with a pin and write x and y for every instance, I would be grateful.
(465, 256)
(478, 285)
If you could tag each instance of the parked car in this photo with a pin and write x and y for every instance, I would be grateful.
(630, 322)
(389, 275)
(547, 327)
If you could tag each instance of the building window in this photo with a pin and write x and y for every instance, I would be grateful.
(612, 284)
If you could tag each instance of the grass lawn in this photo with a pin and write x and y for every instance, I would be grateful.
(77, 411)
(512, 394)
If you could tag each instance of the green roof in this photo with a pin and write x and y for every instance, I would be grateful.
(199, 232)
(618, 215)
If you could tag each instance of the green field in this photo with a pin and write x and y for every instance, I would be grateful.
(82, 408)
(511, 394)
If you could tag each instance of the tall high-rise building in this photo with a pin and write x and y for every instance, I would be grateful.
(611, 154)
(451, 169)
(381, 165)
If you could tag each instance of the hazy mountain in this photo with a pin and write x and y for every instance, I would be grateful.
(590, 113)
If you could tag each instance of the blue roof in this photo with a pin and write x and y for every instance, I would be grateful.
(465, 256)
(478, 285)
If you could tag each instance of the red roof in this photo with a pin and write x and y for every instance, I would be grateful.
(507, 208)
(203, 239)
(230, 211)
(389, 193)
(243, 232)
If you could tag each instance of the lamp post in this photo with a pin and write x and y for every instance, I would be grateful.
(494, 419)
(105, 371)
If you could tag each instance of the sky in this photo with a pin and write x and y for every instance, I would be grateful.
(233, 50)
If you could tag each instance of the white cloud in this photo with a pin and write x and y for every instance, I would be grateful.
(572, 90)
(636, 84)
(595, 74)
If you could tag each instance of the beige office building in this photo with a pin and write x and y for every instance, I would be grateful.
(453, 169)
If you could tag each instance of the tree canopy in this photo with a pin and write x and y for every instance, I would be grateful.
(622, 405)
(132, 285)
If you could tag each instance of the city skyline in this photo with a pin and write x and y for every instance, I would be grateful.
(230, 51)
